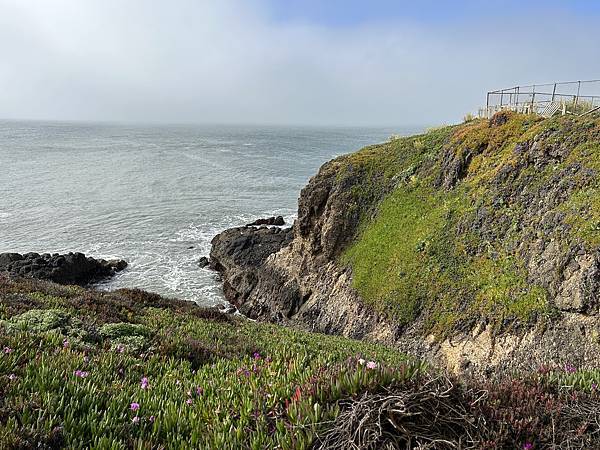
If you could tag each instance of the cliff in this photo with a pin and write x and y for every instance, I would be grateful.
(476, 246)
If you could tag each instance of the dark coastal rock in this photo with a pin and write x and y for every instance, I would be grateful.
(70, 268)
(268, 221)
(203, 262)
(239, 254)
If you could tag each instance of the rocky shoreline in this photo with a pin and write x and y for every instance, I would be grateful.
(69, 268)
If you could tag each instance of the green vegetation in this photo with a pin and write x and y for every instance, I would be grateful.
(445, 239)
(84, 369)
(129, 369)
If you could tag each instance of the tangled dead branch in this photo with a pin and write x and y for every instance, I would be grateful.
(439, 413)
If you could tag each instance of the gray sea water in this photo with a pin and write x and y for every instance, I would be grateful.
(155, 195)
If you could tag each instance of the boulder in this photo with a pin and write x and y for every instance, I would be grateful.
(203, 262)
(268, 221)
(70, 268)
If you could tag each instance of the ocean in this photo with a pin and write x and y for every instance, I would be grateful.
(155, 195)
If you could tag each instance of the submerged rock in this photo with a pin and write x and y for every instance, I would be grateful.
(70, 268)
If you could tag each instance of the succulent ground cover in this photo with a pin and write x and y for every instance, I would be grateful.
(129, 369)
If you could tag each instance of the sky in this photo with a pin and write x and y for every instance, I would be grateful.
(311, 62)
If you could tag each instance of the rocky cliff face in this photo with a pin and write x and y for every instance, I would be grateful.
(505, 274)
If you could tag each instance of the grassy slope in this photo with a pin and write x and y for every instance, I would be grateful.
(72, 363)
(419, 253)
(207, 388)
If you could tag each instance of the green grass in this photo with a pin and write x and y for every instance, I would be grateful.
(213, 381)
(422, 251)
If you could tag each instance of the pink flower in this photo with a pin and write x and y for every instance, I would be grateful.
(144, 383)
(135, 406)
(256, 355)
(8, 350)
(371, 365)
(120, 348)
(569, 368)
(527, 446)
(189, 401)
(12, 377)
(65, 343)
(151, 418)
(199, 390)
(136, 419)
(81, 373)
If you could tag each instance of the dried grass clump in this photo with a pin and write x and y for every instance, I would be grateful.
(440, 413)
(431, 415)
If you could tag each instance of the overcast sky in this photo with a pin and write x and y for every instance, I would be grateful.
(319, 62)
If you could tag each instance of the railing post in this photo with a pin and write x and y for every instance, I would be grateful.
(577, 98)
(553, 92)
(533, 99)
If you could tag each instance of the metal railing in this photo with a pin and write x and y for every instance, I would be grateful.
(573, 97)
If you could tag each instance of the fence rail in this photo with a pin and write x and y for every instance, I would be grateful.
(572, 97)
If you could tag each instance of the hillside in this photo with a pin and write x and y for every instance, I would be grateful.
(129, 369)
(474, 245)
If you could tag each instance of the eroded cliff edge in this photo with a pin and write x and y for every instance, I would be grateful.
(476, 246)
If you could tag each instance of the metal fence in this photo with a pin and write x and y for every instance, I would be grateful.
(573, 97)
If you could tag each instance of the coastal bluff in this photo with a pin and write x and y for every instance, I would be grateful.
(476, 246)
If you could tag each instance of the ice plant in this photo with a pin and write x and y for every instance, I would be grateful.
(199, 390)
(569, 368)
(136, 419)
(151, 418)
(371, 365)
(189, 401)
(135, 406)
(144, 383)
(81, 373)
(297, 394)
(66, 343)
(256, 355)
(527, 446)
(8, 350)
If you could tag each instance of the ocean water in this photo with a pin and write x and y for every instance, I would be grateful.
(155, 195)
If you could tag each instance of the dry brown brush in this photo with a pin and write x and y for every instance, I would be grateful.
(441, 413)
